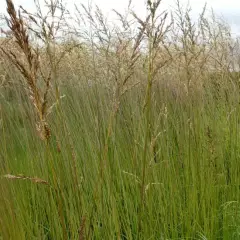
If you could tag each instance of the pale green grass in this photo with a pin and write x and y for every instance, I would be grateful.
(192, 179)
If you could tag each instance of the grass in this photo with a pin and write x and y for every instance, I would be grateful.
(144, 144)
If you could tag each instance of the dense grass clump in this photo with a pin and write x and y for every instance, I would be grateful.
(119, 132)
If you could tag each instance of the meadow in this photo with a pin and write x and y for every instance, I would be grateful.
(119, 131)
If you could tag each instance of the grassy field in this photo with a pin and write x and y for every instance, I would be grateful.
(121, 133)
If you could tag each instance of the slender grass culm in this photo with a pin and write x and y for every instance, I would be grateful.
(124, 129)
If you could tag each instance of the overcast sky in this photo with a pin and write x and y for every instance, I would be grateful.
(229, 9)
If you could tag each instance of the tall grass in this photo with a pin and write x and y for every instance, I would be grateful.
(141, 126)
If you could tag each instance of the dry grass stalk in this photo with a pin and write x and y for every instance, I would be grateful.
(22, 177)
(27, 61)
(82, 229)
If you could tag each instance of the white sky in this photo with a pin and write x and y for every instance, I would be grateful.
(229, 9)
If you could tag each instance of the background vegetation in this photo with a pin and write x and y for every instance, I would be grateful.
(125, 131)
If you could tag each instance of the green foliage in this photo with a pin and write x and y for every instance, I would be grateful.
(192, 173)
